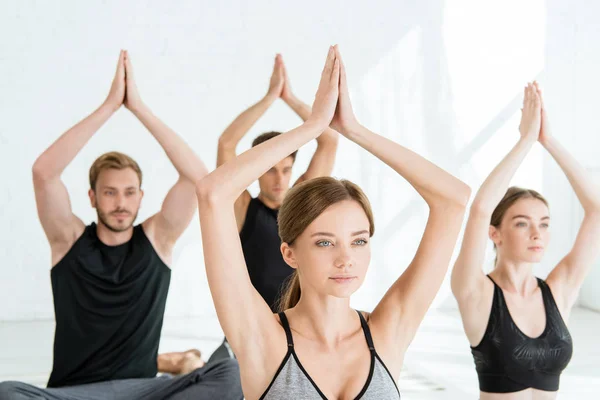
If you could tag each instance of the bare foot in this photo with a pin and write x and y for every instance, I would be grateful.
(180, 363)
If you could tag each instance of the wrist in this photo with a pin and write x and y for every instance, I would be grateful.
(138, 109)
(270, 97)
(108, 108)
(289, 99)
(319, 124)
(529, 138)
(352, 131)
(545, 140)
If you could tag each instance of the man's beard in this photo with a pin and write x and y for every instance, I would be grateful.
(103, 217)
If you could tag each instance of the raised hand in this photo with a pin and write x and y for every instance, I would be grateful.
(132, 101)
(545, 131)
(286, 91)
(326, 98)
(277, 78)
(117, 90)
(343, 120)
(531, 118)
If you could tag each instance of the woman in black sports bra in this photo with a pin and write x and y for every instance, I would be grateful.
(515, 322)
(319, 347)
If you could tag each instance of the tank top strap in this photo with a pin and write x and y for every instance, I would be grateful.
(366, 330)
(498, 296)
(286, 328)
(549, 302)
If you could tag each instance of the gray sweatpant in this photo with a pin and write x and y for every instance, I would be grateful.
(216, 380)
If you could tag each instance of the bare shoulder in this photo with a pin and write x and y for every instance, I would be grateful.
(163, 248)
(60, 247)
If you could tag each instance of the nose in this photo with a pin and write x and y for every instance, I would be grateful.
(535, 233)
(280, 177)
(344, 258)
(120, 201)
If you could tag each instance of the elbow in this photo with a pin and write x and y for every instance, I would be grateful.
(592, 209)
(463, 194)
(225, 143)
(459, 197)
(482, 209)
(207, 191)
(39, 171)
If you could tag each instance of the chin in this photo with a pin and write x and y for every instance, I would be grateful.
(343, 293)
(534, 259)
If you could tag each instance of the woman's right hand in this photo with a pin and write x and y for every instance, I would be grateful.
(327, 94)
(531, 117)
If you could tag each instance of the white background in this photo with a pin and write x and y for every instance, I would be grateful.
(443, 78)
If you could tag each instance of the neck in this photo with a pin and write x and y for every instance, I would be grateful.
(111, 238)
(326, 319)
(516, 277)
(269, 203)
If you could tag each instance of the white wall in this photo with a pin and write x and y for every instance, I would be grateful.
(443, 78)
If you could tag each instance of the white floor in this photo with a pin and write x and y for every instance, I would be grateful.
(437, 366)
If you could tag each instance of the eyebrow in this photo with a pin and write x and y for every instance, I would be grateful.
(528, 217)
(114, 188)
(332, 235)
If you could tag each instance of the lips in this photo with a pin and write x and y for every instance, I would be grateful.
(343, 278)
(535, 248)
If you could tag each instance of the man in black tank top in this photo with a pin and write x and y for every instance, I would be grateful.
(257, 217)
(110, 279)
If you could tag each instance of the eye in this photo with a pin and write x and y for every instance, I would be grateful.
(109, 193)
(545, 226)
(324, 243)
(130, 193)
(360, 242)
(521, 224)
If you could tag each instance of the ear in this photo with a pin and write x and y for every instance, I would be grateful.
(92, 196)
(494, 234)
(288, 255)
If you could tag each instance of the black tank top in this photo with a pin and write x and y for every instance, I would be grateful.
(109, 303)
(509, 361)
(261, 247)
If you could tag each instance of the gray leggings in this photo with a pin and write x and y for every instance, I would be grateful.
(217, 380)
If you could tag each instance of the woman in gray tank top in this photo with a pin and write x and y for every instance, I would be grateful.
(318, 347)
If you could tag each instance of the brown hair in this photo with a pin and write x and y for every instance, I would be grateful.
(301, 206)
(270, 135)
(512, 195)
(114, 160)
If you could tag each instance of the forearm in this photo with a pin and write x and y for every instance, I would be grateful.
(581, 181)
(436, 186)
(52, 162)
(241, 171)
(302, 109)
(242, 124)
(494, 187)
(329, 137)
(184, 159)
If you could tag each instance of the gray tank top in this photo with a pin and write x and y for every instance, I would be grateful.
(292, 382)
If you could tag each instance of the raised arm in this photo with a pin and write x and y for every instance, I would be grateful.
(239, 127)
(165, 227)
(245, 317)
(397, 316)
(568, 276)
(468, 279)
(322, 161)
(232, 135)
(61, 226)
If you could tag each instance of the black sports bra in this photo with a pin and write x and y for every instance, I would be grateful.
(509, 361)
